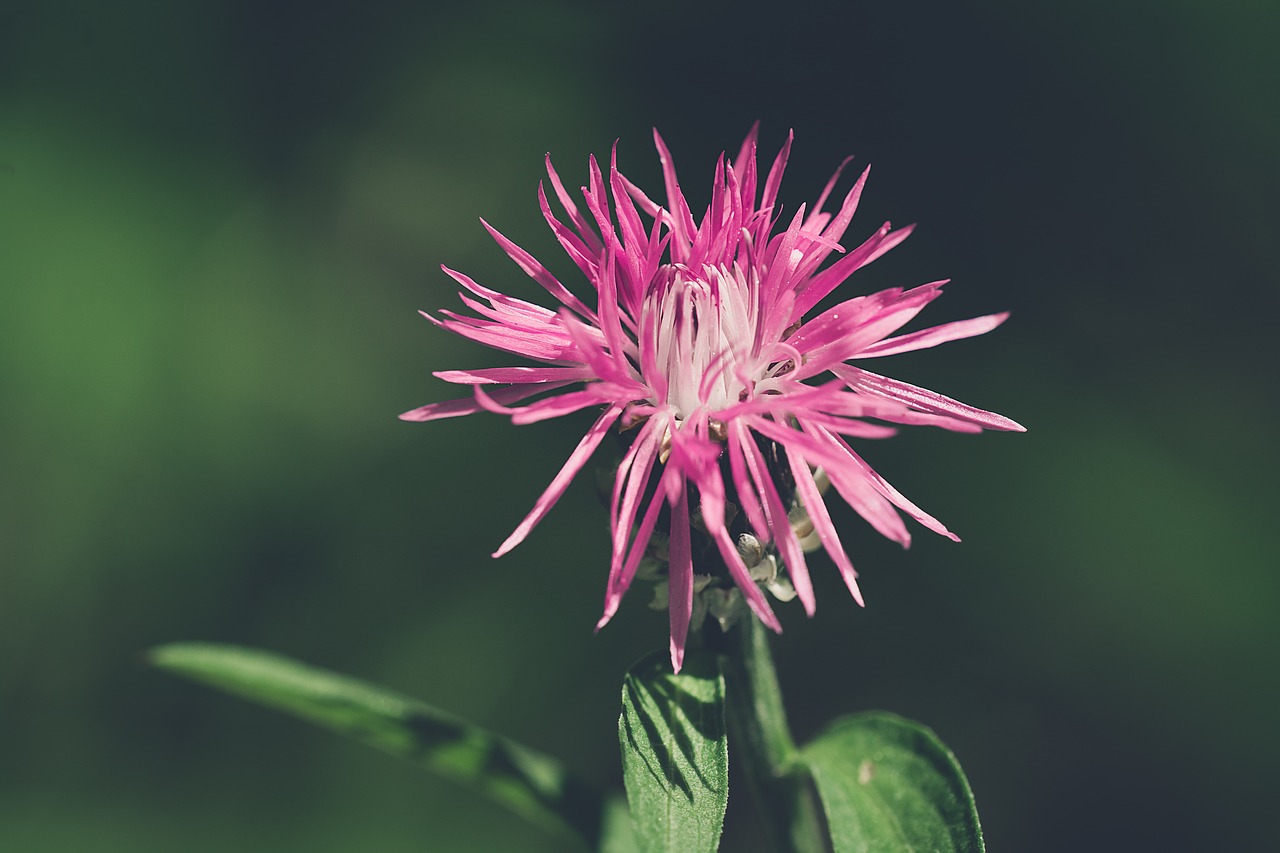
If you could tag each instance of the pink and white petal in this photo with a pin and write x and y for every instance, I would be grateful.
(848, 426)
(832, 325)
(813, 504)
(883, 314)
(621, 575)
(779, 524)
(648, 205)
(572, 244)
(777, 290)
(852, 484)
(833, 276)
(538, 272)
(747, 154)
(830, 229)
(516, 306)
(636, 468)
(926, 338)
(840, 222)
(894, 496)
(629, 224)
(813, 448)
(922, 398)
(468, 405)
(504, 314)
(892, 240)
(695, 455)
(539, 347)
(745, 168)
(825, 194)
(831, 399)
(680, 577)
(914, 418)
(608, 364)
(819, 286)
(598, 203)
(556, 490)
(515, 375)
(744, 487)
(610, 320)
(580, 222)
(682, 226)
(774, 179)
(711, 492)
(862, 429)
(551, 407)
(821, 453)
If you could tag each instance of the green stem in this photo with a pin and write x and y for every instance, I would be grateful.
(761, 742)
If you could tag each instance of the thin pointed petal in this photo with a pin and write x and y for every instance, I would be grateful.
(469, 406)
(927, 338)
(556, 490)
(922, 398)
(817, 510)
(680, 596)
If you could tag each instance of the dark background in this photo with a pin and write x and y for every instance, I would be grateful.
(217, 221)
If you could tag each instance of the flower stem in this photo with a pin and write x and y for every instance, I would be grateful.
(761, 742)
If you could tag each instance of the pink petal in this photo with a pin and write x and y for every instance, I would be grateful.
(817, 510)
(932, 337)
(895, 497)
(826, 193)
(517, 307)
(745, 489)
(515, 375)
(580, 222)
(833, 276)
(572, 244)
(629, 484)
(774, 180)
(837, 336)
(556, 490)
(539, 347)
(922, 398)
(852, 485)
(682, 226)
(607, 364)
(680, 577)
(468, 405)
(647, 204)
(711, 490)
(537, 271)
(548, 408)
(633, 231)
(610, 321)
(745, 167)
(620, 579)
(788, 544)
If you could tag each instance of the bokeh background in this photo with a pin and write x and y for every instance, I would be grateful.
(217, 222)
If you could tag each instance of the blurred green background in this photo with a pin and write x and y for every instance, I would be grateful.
(217, 221)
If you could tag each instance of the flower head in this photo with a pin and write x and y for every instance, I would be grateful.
(696, 345)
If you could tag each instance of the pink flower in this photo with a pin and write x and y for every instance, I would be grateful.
(696, 340)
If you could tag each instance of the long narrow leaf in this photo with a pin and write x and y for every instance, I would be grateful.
(530, 783)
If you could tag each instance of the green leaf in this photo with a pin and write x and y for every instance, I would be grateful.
(675, 754)
(521, 779)
(888, 784)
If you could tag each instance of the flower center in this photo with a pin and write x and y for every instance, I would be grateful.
(703, 329)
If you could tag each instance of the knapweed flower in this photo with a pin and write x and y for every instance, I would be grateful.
(695, 343)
